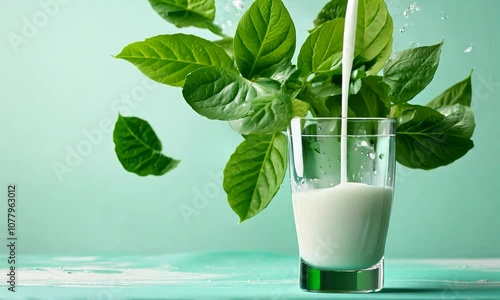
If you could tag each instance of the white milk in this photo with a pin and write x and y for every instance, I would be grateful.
(343, 227)
(351, 20)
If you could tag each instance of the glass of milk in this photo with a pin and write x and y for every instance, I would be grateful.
(342, 190)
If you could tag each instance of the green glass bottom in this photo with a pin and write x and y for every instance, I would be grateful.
(342, 281)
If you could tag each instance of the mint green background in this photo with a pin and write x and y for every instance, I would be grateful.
(63, 81)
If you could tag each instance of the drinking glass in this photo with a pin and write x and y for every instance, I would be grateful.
(342, 189)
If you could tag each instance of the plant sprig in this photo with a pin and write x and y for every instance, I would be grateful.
(251, 81)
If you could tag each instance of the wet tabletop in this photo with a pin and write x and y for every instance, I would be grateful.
(233, 275)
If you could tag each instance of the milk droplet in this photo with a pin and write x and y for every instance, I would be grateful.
(239, 4)
(363, 144)
(444, 16)
(482, 281)
(468, 49)
(402, 29)
(372, 155)
(411, 9)
(229, 23)
(381, 156)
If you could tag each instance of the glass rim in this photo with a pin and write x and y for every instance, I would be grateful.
(389, 122)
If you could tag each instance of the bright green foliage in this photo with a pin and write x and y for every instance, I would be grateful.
(139, 149)
(255, 172)
(251, 81)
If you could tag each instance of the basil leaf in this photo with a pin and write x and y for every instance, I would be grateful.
(169, 58)
(264, 39)
(139, 149)
(270, 113)
(462, 117)
(227, 45)
(374, 28)
(323, 106)
(460, 93)
(254, 173)
(183, 13)
(335, 9)
(380, 61)
(219, 94)
(372, 100)
(410, 71)
(427, 139)
(299, 108)
(322, 50)
(284, 72)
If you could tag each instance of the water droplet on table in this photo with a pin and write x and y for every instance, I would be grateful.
(468, 49)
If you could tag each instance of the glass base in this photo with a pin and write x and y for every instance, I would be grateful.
(342, 281)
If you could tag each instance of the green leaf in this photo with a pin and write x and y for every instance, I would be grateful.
(183, 13)
(380, 61)
(460, 93)
(270, 113)
(219, 94)
(410, 71)
(227, 45)
(169, 58)
(139, 149)
(254, 173)
(264, 39)
(462, 117)
(427, 139)
(322, 50)
(299, 108)
(372, 100)
(335, 9)
(374, 28)
(283, 73)
(323, 106)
